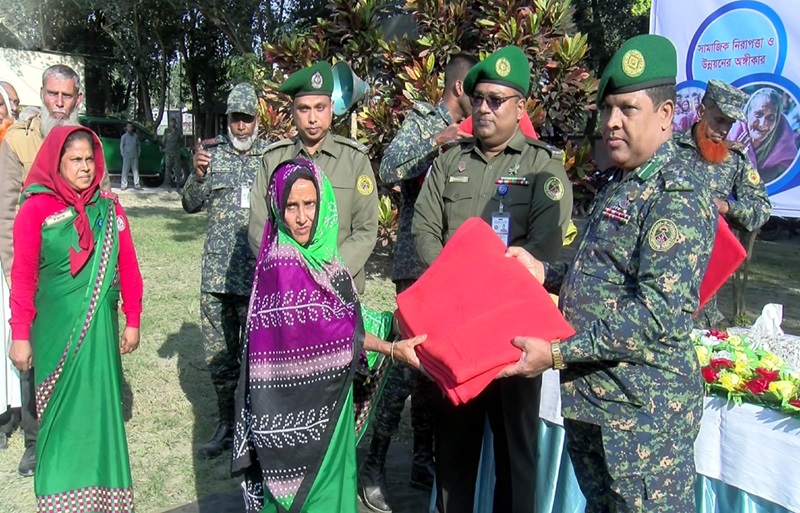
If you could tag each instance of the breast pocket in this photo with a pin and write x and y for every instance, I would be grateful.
(457, 206)
(609, 251)
(343, 190)
(223, 180)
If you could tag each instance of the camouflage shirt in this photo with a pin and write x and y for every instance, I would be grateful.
(735, 180)
(630, 293)
(173, 141)
(407, 158)
(228, 263)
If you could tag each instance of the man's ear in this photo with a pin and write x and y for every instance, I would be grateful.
(666, 111)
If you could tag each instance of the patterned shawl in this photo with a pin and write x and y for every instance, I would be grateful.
(304, 329)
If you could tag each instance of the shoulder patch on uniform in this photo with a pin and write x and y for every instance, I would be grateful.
(351, 143)
(663, 235)
(753, 177)
(553, 188)
(365, 185)
(555, 153)
(279, 144)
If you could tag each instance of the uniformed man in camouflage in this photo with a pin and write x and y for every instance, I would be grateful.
(173, 142)
(224, 173)
(426, 130)
(631, 391)
(519, 185)
(739, 193)
(343, 161)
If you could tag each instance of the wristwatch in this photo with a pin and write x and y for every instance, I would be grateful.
(558, 358)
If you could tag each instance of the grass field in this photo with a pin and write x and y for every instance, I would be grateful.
(171, 400)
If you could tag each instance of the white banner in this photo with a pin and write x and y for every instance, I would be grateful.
(754, 46)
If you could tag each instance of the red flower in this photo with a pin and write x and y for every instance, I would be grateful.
(718, 334)
(709, 374)
(757, 385)
(768, 375)
(721, 363)
(795, 402)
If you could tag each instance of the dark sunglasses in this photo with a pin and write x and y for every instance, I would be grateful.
(494, 102)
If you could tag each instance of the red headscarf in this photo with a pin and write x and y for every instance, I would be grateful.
(45, 171)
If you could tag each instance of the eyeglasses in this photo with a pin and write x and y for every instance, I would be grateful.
(494, 102)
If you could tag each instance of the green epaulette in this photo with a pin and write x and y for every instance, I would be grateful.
(280, 144)
(351, 143)
(554, 152)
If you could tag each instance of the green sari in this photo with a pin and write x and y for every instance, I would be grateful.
(82, 453)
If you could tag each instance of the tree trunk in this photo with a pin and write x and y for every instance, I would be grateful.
(191, 78)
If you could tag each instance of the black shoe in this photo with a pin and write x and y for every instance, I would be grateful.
(372, 477)
(3, 441)
(27, 465)
(219, 443)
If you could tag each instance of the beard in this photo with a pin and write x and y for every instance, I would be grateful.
(242, 145)
(49, 122)
(712, 151)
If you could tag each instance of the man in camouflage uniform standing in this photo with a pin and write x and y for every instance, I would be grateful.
(173, 142)
(631, 390)
(426, 130)
(343, 161)
(739, 193)
(506, 179)
(221, 184)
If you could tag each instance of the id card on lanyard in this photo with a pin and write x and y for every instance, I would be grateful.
(501, 221)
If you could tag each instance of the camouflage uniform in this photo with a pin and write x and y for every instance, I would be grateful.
(734, 180)
(228, 264)
(347, 166)
(632, 392)
(173, 142)
(406, 160)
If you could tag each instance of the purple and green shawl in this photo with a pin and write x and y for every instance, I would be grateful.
(304, 328)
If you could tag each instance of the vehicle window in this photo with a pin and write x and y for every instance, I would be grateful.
(110, 130)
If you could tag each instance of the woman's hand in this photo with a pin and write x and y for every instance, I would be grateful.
(403, 350)
(130, 340)
(21, 355)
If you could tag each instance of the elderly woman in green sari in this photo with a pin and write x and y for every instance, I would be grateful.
(309, 340)
(73, 256)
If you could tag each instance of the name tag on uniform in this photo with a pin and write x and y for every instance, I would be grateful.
(459, 179)
(244, 196)
(59, 217)
(501, 224)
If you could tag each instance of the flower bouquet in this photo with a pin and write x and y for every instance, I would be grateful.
(732, 369)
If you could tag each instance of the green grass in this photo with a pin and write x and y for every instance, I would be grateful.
(173, 405)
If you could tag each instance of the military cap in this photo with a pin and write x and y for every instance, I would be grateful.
(507, 66)
(313, 80)
(640, 63)
(243, 99)
(729, 99)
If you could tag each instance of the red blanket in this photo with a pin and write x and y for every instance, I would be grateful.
(471, 303)
(726, 256)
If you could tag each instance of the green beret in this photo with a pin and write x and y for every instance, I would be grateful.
(640, 63)
(313, 80)
(730, 100)
(507, 66)
(243, 99)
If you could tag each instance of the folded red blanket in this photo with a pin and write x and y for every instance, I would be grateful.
(471, 303)
(726, 256)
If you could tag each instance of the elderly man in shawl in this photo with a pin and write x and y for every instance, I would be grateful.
(74, 255)
(309, 340)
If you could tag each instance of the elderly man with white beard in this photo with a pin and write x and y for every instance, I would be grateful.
(222, 186)
(61, 97)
